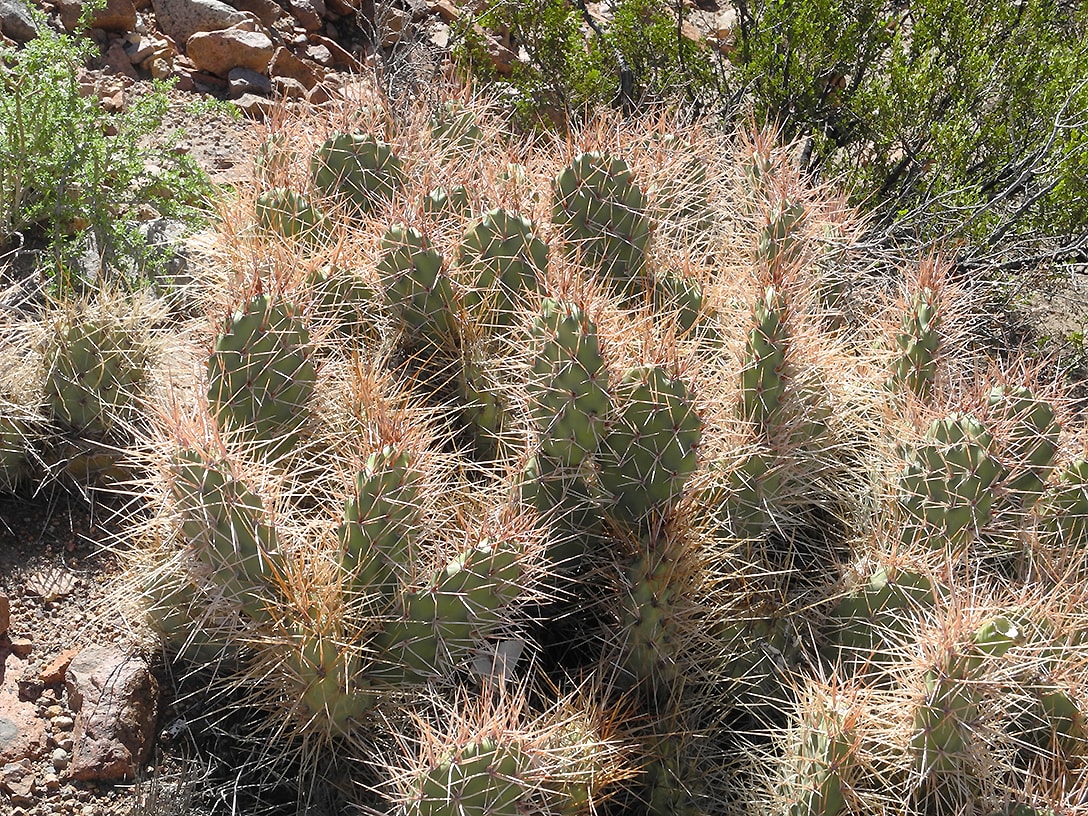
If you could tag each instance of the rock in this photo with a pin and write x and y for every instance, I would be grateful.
(55, 583)
(16, 22)
(243, 81)
(339, 56)
(287, 65)
(181, 19)
(116, 701)
(21, 647)
(118, 16)
(288, 88)
(57, 667)
(445, 9)
(308, 13)
(253, 106)
(17, 779)
(502, 58)
(267, 11)
(391, 26)
(22, 731)
(5, 614)
(60, 758)
(345, 8)
(319, 54)
(217, 52)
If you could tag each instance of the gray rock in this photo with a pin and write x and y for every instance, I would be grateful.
(244, 80)
(116, 699)
(181, 19)
(16, 22)
(217, 52)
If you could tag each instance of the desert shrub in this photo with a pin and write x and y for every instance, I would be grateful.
(73, 175)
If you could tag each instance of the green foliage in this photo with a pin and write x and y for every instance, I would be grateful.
(70, 171)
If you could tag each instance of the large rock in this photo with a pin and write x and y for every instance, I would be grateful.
(217, 52)
(116, 701)
(22, 731)
(308, 13)
(115, 15)
(181, 19)
(16, 22)
(286, 65)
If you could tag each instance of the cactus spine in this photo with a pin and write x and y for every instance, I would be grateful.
(762, 377)
(359, 169)
(914, 369)
(506, 263)
(417, 287)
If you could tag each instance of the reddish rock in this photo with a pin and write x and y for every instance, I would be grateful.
(22, 731)
(253, 106)
(445, 9)
(218, 51)
(267, 11)
(118, 62)
(308, 13)
(21, 647)
(57, 667)
(116, 701)
(338, 55)
(118, 16)
(5, 614)
(286, 65)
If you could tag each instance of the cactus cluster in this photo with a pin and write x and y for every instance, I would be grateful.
(518, 532)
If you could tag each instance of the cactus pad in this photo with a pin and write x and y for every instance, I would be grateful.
(417, 287)
(505, 263)
(762, 376)
(359, 169)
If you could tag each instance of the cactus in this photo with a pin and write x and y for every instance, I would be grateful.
(359, 169)
(1063, 510)
(484, 406)
(945, 490)
(381, 525)
(1031, 440)
(17, 424)
(438, 625)
(418, 288)
(745, 502)
(651, 449)
(914, 370)
(455, 130)
(291, 215)
(600, 209)
(96, 371)
(260, 378)
(818, 762)
(778, 243)
(762, 376)
(506, 263)
(222, 522)
(479, 778)
(943, 720)
(870, 626)
(568, 390)
(681, 296)
(564, 500)
(448, 201)
(341, 299)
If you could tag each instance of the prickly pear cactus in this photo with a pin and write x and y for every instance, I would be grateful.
(417, 287)
(681, 296)
(762, 376)
(601, 212)
(818, 762)
(651, 448)
(505, 264)
(778, 241)
(260, 378)
(97, 368)
(914, 368)
(359, 169)
(343, 301)
(480, 778)
(1063, 511)
(484, 408)
(745, 501)
(448, 202)
(381, 526)
(945, 491)
(568, 389)
(223, 523)
(455, 130)
(1031, 436)
(16, 427)
(291, 215)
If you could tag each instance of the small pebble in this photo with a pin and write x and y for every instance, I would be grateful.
(61, 759)
(63, 722)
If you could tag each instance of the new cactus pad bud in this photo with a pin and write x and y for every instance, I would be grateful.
(568, 388)
(359, 169)
(601, 212)
(260, 378)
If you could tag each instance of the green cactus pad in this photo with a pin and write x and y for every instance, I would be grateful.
(380, 529)
(762, 376)
(651, 449)
(1031, 440)
(652, 643)
(681, 296)
(291, 215)
(96, 375)
(505, 262)
(945, 490)
(914, 368)
(1063, 511)
(820, 762)
(484, 406)
(454, 129)
(778, 242)
(418, 289)
(358, 168)
(564, 500)
(260, 378)
(601, 211)
(480, 778)
(448, 202)
(568, 390)
(223, 522)
(344, 301)
(333, 692)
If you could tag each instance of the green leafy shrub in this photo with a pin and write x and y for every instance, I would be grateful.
(70, 171)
